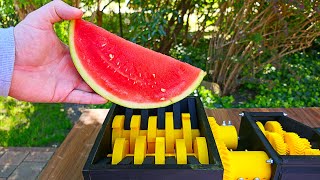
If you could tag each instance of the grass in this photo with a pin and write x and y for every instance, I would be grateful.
(32, 124)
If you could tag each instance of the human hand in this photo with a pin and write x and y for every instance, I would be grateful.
(43, 69)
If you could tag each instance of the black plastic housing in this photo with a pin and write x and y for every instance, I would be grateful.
(98, 166)
(285, 167)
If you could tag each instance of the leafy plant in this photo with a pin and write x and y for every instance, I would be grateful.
(295, 83)
(159, 25)
(195, 55)
(211, 100)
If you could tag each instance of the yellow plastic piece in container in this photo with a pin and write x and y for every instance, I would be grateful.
(261, 127)
(187, 134)
(160, 150)
(143, 132)
(178, 133)
(126, 134)
(250, 164)
(169, 133)
(306, 143)
(215, 128)
(229, 136)
(152, 133)
(312, 152)
(240, 164)
(201, 150)
(295, 145)
(117, 127)
(134, 131)
(151, 147)
(274, 126)
(277, 142)
(181, 151)
(120, 150)
(140, 150)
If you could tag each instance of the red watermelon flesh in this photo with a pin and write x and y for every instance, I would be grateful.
(126, 73)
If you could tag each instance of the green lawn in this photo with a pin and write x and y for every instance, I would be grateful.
(32, 124)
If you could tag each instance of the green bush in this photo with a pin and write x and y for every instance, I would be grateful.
(296, 83)
(193, 55)
(211, 100)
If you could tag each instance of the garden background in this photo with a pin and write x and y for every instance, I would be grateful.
(256, 53)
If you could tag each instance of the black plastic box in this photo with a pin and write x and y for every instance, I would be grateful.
(98, 165)
(284, 167)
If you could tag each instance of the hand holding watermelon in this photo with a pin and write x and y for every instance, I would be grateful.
(43, 70)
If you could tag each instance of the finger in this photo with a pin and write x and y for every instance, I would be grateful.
(83, 86)
(56, 11)
(82, 97)
(63, 11)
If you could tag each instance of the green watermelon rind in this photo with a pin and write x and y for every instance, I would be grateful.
(115, 99)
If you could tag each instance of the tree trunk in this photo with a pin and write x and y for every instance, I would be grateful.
(99, 14)
(23, 9)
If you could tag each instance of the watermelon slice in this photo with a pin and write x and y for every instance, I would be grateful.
(126, 73)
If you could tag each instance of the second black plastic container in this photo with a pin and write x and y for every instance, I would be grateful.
(284, 167)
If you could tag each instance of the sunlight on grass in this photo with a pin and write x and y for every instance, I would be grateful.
(31, 124)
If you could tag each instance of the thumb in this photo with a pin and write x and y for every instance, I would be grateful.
(56, 11)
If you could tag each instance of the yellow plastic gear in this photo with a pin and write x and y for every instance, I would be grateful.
(152, 133)
(222, 149)
(187, 134)
(277, 143)
(140, 149)
(134, 131)
(225, 159)
(181, 151)
(295, 145)
(169, 133)
(274, 126)
(117, 127)
(214, 128)
(312, 152)
(160, 150)
(201, 150)
(261, 127)
(306, 143)
(120, 150)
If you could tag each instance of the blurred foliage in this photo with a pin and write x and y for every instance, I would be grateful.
(211, 100)
(32, 124)
(8, 15)
(161, 24)
(61, 30)
(295, 83)
(195, 55)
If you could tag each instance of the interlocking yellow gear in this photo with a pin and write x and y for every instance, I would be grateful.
(261, 127)
(295, 145)
(277, 143)
(274, 126)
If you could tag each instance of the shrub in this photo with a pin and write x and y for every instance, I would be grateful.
(295, 83)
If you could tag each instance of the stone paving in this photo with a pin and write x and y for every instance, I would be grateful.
(23, 163)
